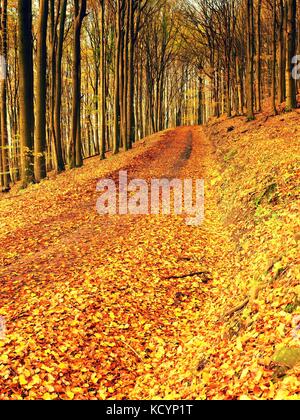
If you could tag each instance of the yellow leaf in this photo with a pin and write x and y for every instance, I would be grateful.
(70, 394)
(63, 365)
(245, 398)
(78, 390)
(282, 394)
(281, 330)
(94, 378)
(206, 376)
(244, 374)
(4, 358)
(22, 380)
(35, 380)
(239, 345)
(102, 394)
(47, 369)
(49, 397)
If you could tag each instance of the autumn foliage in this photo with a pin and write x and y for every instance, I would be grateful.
(101, 308)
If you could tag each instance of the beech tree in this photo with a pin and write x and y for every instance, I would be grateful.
(41, 93)
(110, 72)
(57, 90)
(4, 155)
(291, 36)
(250, 60)
(76, 145)
(25, 46)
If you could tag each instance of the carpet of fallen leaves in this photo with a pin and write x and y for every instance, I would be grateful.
(94, 306)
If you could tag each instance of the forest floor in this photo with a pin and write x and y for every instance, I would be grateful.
(95, 306)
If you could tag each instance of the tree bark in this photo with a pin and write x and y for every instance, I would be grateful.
(116, 143)
(281, 50)
(258, 58)
(41, 94)
(102, 80)
(26, 90)
(250, 63)
(58, 89)
(291, 33)
(274, 60)
(4, 155)
(76, 150)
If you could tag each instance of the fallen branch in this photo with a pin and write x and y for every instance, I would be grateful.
(20, 316)
(253, 295)
(237, 308)
(183, 276)
(192, 259)
(132, 349)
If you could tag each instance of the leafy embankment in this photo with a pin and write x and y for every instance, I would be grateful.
(259, 191)
(248, 346)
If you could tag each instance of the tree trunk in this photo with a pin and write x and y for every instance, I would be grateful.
(26, 90)
(291, 32)
(58, 89)
(258, 58)
(116, 144)
(274, 62)
(200, 100)
(125, 73)
(76, 150)
(41, 94)
(250, 64)
(130, 89)
(281, 56)
(102, 80)
(4, 155)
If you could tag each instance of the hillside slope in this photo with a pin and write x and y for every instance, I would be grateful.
(247, 345)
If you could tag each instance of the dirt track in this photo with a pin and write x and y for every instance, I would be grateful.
(87, 296)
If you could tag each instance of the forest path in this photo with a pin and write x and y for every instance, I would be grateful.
(89, 301)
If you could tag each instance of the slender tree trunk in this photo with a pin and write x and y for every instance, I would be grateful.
(116, 144)
(228, 87)
(250, 64)
(53, 47)
(58, 89)
(102, 80)
(258, 58)
(26, 90)
(281, 56)
(125, 73)
(200, 100)
(274, 60)
(140, 101)
(130, 89)
(4, 155)
(41, 94)
(291, 33)
(77, 158)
